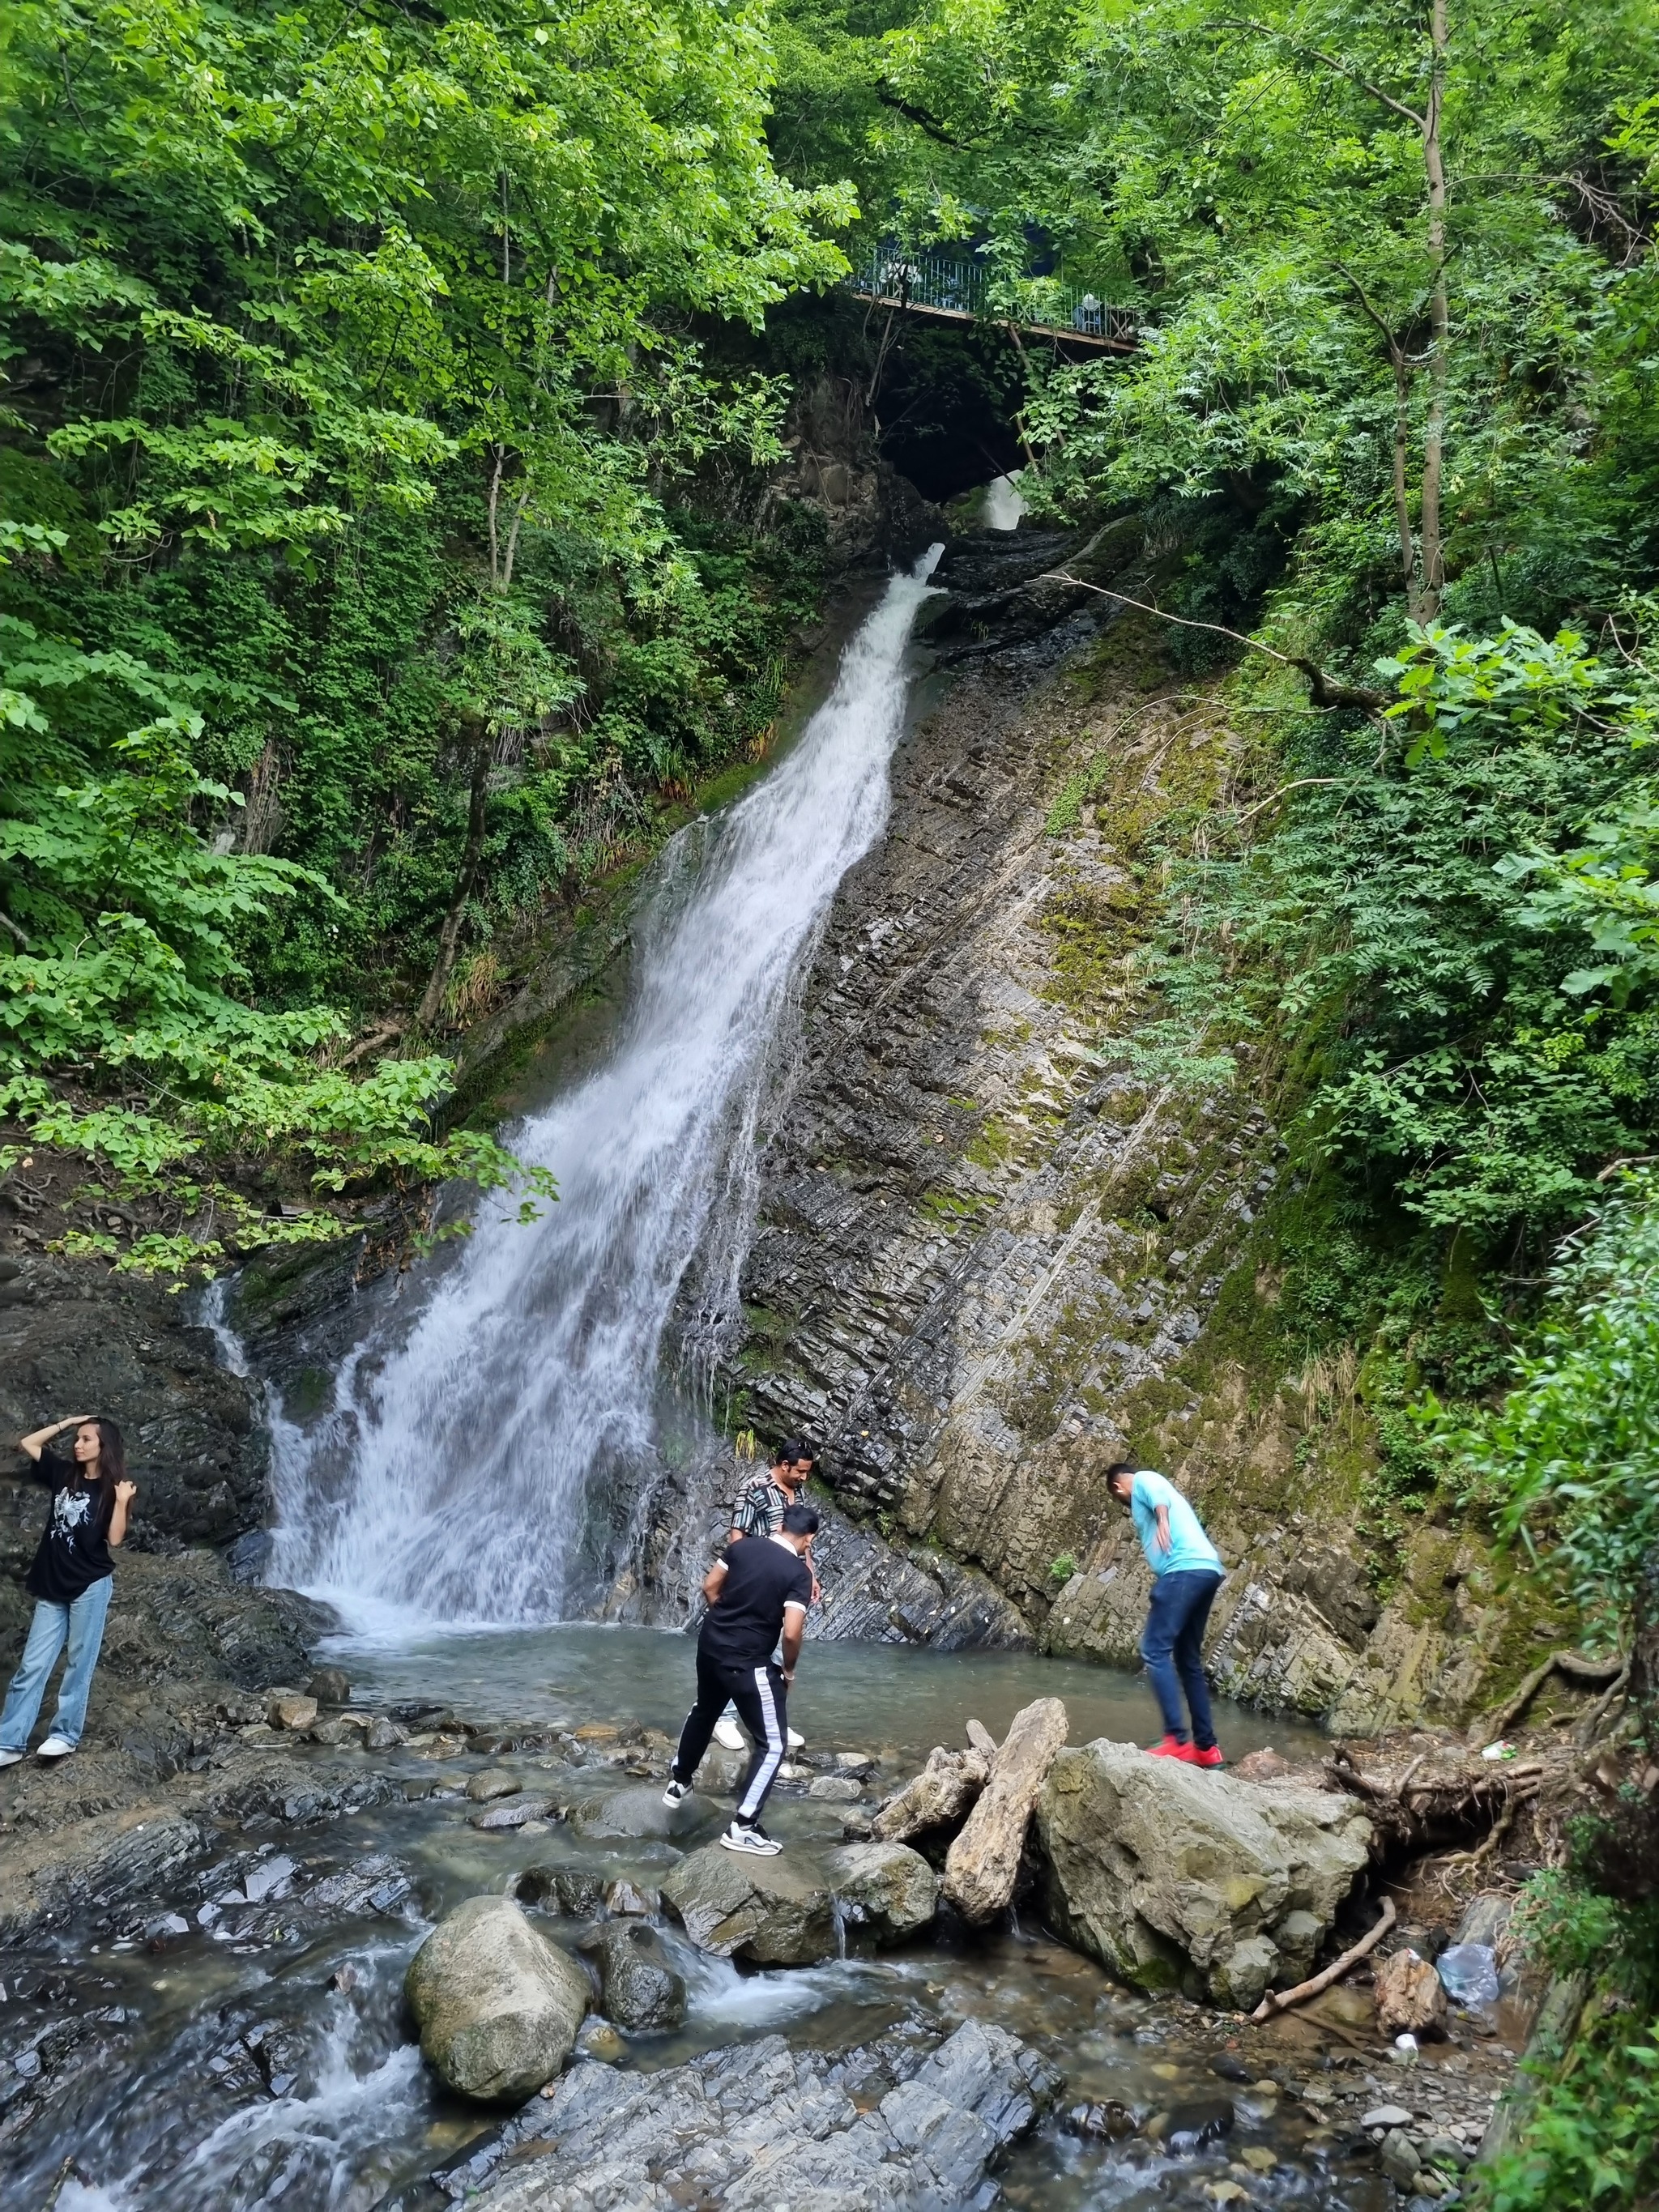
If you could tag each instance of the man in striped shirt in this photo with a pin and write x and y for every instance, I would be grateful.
(759, 1511)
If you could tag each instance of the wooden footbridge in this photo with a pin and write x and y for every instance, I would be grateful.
(958, 292)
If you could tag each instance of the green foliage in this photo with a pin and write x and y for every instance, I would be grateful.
(1571, 1460)
(364, 565)
(1063, 1568)
(1592, 2138)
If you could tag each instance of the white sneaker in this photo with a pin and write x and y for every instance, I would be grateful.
(10, 1758)
(676, 1792)
(55, 1746)
(796, 1739)
(749, 1836)
(728, 1733)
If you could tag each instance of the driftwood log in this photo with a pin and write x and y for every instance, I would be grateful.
(983, 1864)
(938, 1796)
(1278, 2001)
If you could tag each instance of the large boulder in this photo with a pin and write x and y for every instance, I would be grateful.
(983, 1863)
(887, 1888)
(772, 1912)
(638, 1988)
(1176, 1876)
(498, 2006)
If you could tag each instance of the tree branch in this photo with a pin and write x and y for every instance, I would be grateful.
(930, 123)
(1282, 2000)
(1329, 61)
(1323, 692)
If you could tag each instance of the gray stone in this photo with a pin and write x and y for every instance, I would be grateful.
(330, 1685)
(494, 1782)
(837, 1789)
(514, 1813)
(1399, 2158)
(1387, 2115)
(772, 1912)
(886, 1887)
(498, 2006)
(640, 1816)
(756, 2125)
(638, 1988)
(626, 1899)
(1172, 1876)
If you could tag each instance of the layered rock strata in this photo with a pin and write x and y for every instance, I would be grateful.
(998, 1246)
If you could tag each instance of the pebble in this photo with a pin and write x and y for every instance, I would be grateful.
(494, 1782)
(1387, 2115)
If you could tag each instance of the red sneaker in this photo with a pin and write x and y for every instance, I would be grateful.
(1212, 1757)
(1171, 1747)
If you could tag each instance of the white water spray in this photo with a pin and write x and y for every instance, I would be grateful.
(451, 1483)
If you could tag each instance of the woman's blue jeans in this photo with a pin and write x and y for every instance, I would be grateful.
(1173, 1648)
(81, 1625)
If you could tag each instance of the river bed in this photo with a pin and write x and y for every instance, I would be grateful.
(251, 2048)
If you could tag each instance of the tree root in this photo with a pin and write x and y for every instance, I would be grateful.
(1593, 1672)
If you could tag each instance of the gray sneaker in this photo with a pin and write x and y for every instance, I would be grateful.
(676, 1792)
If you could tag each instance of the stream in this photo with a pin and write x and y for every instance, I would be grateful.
(238, 2038)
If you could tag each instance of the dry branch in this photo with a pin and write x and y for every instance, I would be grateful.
(1278, 2001)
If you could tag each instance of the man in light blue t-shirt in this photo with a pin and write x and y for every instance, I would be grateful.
(1187, 1572)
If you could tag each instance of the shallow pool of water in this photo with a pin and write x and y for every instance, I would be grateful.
(879, 1697)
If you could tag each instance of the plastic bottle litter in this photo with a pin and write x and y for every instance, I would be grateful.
(1468, 1973)
(1501, 1749)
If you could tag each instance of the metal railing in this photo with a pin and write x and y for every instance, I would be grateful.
(937, 285)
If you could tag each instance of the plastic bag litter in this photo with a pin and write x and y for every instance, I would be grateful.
(1468, 1973)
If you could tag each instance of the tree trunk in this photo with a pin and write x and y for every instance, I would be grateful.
(449, 937)
(1434, 437)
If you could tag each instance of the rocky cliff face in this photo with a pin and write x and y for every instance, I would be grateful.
(995, 1251)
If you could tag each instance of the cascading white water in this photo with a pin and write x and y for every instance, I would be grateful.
(1004, 503)
(451, 1486)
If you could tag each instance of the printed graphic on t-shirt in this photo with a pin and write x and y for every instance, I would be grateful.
(71, 1509)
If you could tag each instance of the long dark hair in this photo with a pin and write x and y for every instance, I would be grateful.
(112, 1464)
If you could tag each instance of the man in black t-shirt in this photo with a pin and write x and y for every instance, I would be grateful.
(758, 1591)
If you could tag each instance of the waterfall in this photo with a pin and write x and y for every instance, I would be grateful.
(1004, 502)
(451, 1480)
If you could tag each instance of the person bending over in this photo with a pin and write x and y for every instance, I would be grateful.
(758, 1512)
(71, 1580)
(758, 1592)
(1187, 1572)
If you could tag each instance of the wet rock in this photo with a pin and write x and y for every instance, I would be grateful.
(835, 1788)
(494, 1782)
(1411, 1998)
(983, 1862)
(855, 1762)
(757, 2125)
(378, 1884)
(638, 1988)
(514, 1813)
(1399, 2159)
(939, 1798)
(1195, 2121)
(626, 1899)
(330, 1687)
(600, 2040)
(722, 1770)
(771, 1913)
(290, 1709)
(498, 2006)
(1174, 1878)
(383, 1735)
(886, 1888)
(1110, 2120)
(639, 1815)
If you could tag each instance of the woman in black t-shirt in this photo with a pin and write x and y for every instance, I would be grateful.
(71, 1579)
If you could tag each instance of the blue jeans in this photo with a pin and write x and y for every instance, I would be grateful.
(1173, 1648)
(81, 1625)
